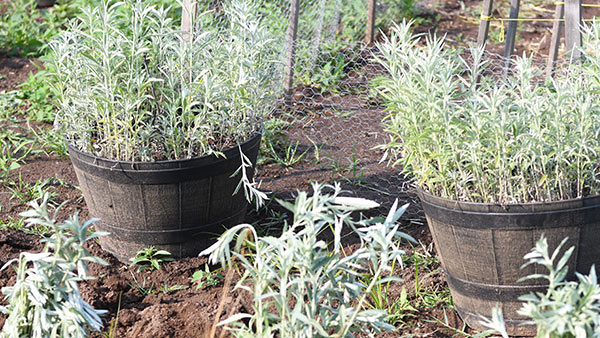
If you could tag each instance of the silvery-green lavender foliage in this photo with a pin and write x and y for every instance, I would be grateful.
(130, 87)
(568, 308)
(467, 134)
(302, 288)
(45, 300)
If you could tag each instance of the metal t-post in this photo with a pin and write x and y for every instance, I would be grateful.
(369, 39)
(511, 34)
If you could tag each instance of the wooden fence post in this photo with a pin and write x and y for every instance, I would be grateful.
(188, 12)
(484, 24)
(557, 26)
(369, 39)
(573, 28)
(290, 56)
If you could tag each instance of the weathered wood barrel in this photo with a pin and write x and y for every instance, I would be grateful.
(45, 3)
(481, 248)
(180, 206)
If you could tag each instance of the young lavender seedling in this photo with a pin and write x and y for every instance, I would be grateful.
(300, 285)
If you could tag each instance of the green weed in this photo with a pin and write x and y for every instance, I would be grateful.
(36, 93)
(207, 279)
(150, 258)
(166, 289)
(141, 287)
(27, 192)
(112, 329)
(397, 309)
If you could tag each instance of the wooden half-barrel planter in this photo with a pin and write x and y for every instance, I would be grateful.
(45, 3)
(481, 248)
(180, 206)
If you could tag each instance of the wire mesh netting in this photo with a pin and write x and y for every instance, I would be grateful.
(329, 128)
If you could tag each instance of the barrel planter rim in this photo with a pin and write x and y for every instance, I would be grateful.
(232, 150)
(487, 207)
(161, 172)
(46, 3)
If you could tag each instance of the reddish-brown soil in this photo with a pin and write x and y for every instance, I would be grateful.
(345, 129)
(14, 71)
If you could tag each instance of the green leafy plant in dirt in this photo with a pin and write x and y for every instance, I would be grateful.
(567, 308)
(14, 149)
(13, 223)
(166, 289)
(150, 258)
(300, 285)
(45, 300)
(9, 103)
(397, 309)
(20, 29)
(332, 34)
(206, 278)
(36, 93)
(465, 134)
(25, 29)
(27, 192)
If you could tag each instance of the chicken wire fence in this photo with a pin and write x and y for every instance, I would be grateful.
(329, 126)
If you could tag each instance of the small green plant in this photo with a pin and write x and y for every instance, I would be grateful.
(150, 258)
(165, 288)
(425, 265)
(207, 279)
(397, 309)
(19, 224)
(50, 142)
(299, 285)
(20, 33)
(9, 103)
(45, 300)
(36, 91)
(285, 153)
(112, 329)
(328, 71)
(26, 192)
(25, 29)
(141, 287)
(357, 175)
(15, 147)
(317, 150)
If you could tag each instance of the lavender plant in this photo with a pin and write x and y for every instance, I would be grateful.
(131, 87)
(45, 300)
(467, 134)
(568, 308)
(300, 286)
